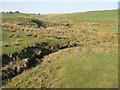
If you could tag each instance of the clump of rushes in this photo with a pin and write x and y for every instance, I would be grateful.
(18, 39)
(22, 29)
(15, 44)
(11, 27)
(28, 34)
(11, 35)
(16, 35)
(4, 44)
(13, 31)
(34, 35)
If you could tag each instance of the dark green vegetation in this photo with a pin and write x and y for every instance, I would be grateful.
(76, 50)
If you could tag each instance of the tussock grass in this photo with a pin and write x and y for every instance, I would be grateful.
(5, 44)
(15, 43)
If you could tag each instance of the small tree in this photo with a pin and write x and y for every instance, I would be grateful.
(17, 12)
(3, 12)
(11, 12)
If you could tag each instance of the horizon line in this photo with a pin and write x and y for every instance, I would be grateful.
(62, 13)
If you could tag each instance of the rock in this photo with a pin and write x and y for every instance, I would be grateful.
(25, 66)
(26, 63)
(39, 52)
(26, 59)
(22, 68)
(18, 69)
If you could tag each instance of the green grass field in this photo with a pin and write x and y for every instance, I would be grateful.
(83, 68)
(23, 41)
(92, 64)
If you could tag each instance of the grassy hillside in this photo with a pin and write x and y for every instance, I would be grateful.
(15, 17)
(106, 16)
(82, 68)
(77, 50)
(23, 41)
(100, 16)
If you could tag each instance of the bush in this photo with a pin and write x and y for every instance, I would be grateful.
(17, 12)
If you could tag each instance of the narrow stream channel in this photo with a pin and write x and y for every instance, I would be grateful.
(30, 57)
